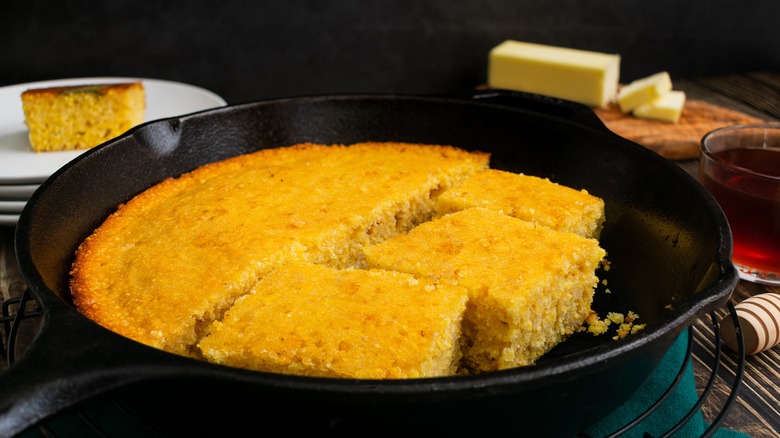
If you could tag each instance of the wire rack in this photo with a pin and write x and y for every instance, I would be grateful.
(19, 309)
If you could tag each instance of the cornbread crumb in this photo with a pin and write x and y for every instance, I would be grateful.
(625, 324)
(615, 317)
(595, 325)
(81, 116)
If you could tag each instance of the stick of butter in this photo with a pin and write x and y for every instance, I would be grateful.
(590, 78)
(666, 108)
(642, 91)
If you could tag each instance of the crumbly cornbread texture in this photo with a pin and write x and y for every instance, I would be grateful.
(348, 323)
(530, 286)
(173, 259)
(530, 198)
(83, 116)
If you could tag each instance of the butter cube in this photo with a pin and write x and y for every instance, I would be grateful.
(587, 77)
(666, 108)
(642, 91)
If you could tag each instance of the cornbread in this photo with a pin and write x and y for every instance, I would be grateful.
(529, 286)
(173, 259)
(82, 116)
(529, 198)
(367, 324)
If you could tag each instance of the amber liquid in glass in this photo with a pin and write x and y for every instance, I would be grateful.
(751, 205)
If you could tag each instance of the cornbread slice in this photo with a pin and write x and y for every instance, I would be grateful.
(529, 286)
(312, 320)
(81, 116)
(174, 258)
(530, 198)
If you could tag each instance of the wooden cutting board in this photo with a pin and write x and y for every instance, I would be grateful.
(678, 141)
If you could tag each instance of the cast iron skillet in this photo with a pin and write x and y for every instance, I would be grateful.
(667, 240)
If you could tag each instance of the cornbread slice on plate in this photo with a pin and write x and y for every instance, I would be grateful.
(529, 286)
(312, 320)
(174, 258)
(81, 116)
(530, 198)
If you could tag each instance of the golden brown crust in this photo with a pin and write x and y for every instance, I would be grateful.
(96, 88)
(188, 247)
(186, 265)
(345, 323)
(530, 198)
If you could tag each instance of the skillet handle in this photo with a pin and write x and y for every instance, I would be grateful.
(558, 108)
(70, 361)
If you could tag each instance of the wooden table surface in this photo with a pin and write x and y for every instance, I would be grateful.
(756, 410)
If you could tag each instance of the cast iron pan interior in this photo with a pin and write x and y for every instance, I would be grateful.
(668, 243)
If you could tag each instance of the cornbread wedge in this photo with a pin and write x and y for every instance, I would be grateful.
(174, 258)
(82, 116)
(529, 286)
(312, 320)
(530, 198)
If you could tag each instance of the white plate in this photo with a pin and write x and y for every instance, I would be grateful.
(12, 206)
(19, 164)
(9, 219)
(17, 191)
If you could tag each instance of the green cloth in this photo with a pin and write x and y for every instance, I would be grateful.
(671, 411)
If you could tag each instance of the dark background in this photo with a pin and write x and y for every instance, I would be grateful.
(247, 50)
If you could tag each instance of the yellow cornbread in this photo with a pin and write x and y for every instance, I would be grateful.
(529, 198)
(83, 116)
(365, 324)
(174, 258)
(530, 286)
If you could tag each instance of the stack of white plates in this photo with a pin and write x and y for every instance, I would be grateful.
(22, 170)
(13, 198)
